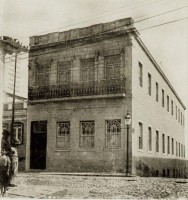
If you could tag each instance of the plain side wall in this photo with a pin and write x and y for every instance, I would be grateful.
(151, 113)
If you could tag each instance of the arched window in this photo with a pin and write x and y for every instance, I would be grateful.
(113, 133)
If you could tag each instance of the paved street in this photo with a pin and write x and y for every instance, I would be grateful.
(37, 185)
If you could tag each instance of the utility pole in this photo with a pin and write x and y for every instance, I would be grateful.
(13, 102)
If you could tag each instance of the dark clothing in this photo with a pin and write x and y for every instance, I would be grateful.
(5, 144)
(4, 167)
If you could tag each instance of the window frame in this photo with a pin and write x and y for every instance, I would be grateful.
(149, 139)
(172, 107)
(149, 84)
(157, 141)
(21, 126)
(44, 73)
(63, 70)
(140, 74)
(117, 133)
(167, 103)
(163, 143)
(64, 137)
(168, 145)
(86, 68)
(163, 101)
(172, 144)
(81, 143)
(112, 66)
(140, 136)
(157, 91)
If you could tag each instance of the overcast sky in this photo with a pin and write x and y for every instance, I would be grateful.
(167, 43)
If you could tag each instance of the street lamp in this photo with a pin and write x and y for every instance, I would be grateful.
(127, 123)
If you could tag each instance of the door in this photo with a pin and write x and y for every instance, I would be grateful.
(38, 145)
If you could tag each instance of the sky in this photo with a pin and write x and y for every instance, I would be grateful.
(168, 43)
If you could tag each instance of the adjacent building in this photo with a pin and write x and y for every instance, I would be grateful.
(82, 83)
(20, 127)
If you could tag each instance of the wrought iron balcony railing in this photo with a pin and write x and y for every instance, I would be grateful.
(113, 86)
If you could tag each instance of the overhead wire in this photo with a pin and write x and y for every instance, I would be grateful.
(156, 1)
(162, 24)
(147, 18)
(55, 29)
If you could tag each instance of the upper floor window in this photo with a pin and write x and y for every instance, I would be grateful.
(162, 98)
(63, 135)
(140, 74)
(18, 132)
(178, 115)
(43, 75)
(87, 134)
(157, 92)
(167, 102)
(172, 107)
(64, 72)
(149, 139)
(87, 72)
(149, 84)
(140, 136)
(112, 66)
(113, 133)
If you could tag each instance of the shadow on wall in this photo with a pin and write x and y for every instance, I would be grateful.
(144, 170)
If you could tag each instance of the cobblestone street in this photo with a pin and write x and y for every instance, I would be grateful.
(33, 185)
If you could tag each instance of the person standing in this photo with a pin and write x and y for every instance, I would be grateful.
(4, 171)
(14, 163)
(5, 142)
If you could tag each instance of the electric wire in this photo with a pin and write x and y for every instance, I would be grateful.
(162, 24)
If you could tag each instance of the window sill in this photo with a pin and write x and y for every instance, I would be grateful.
(62, 150)
(86, 150)
(150, 152)
(157, 153)
(141, 150)
(111, 149)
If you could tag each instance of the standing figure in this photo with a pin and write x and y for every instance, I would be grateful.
(14, 164)
(5, 142)
(4, 171)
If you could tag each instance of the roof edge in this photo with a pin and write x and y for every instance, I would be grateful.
(138, 39)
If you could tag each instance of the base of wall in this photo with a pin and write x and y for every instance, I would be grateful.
(159, 167)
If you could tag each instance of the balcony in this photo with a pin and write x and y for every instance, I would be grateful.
(105, 87)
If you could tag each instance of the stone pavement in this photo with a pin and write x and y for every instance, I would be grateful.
(106, 186)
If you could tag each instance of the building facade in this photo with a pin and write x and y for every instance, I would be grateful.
(20, 128)
(82, 83)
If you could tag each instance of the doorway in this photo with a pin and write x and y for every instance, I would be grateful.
(38, 145)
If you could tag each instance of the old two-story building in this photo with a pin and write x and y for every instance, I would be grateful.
(82, 83)
(20, 127)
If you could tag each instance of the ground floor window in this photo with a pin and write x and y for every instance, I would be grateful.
(18, 132)
(5, 126)
(87, 134)
(140, 136)
(63, 135)
(113, 133)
